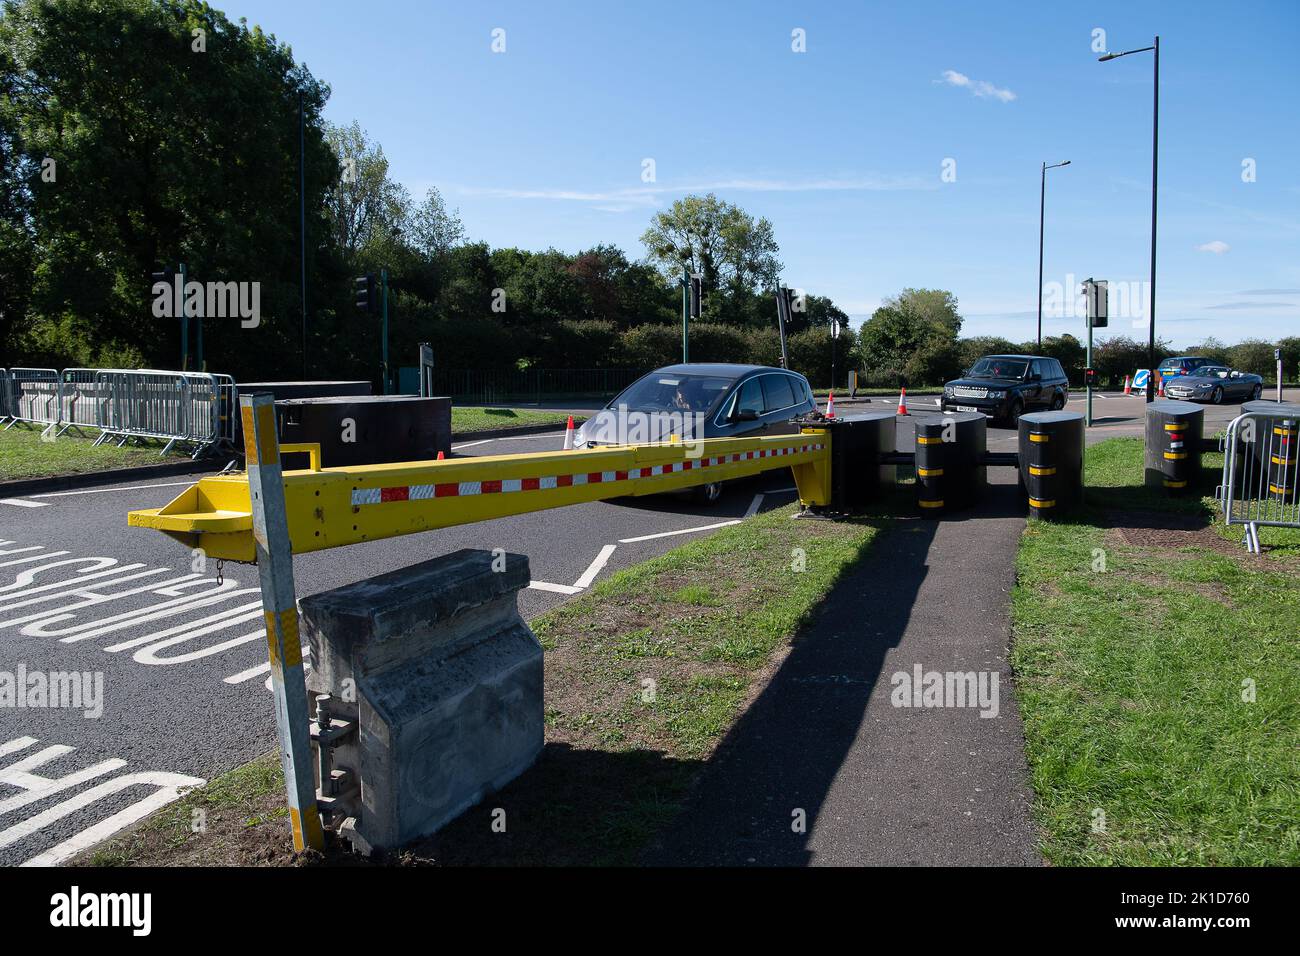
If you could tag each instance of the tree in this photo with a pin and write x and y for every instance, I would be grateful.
(160, 152)
(1212, 349)
(911, 338)
(1254, 355)
(735, 253)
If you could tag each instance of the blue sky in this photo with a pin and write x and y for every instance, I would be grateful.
(843, 146)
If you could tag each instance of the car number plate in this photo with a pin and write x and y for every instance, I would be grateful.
(966, 408)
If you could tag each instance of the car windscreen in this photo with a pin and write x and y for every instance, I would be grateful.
(999, 368)
(661, 391)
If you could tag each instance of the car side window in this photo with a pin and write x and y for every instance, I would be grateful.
(750, 398)
(777, 392)
(1036, 369)
(1057, 370)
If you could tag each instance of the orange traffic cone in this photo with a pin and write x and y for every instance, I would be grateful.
(902, 401)
(1161, 392)
(1128, 386)
(830, 405)
(441, 456)
(568, 435)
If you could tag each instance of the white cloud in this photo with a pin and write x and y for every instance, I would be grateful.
(981, 88)
(1218, 247)
(647, 196)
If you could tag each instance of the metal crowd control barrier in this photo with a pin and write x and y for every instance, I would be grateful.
(192, 407)
(79, 399)
(33, 396)
(1261, 470)
(333, 507)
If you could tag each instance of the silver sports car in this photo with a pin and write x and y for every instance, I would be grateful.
(1215, 384)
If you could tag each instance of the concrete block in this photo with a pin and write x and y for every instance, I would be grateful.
(447, 682)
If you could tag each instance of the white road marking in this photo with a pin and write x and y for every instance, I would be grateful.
(779, 491)
(261, 669)
(669, 534)
(471, 444)
(754, 506)
(19, 503)
(100, 491)
(557, 588)
(596, 566)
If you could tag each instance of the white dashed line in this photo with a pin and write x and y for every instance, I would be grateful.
(19, 503)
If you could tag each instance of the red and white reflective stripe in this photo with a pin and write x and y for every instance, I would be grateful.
(375, 496)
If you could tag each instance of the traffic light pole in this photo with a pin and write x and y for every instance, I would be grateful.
(686, 313)
(383, 298)
(1088, 383)
(185, 324)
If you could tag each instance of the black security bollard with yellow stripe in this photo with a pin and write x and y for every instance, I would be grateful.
(949, 457)
(1173, 446)
(1051, 461)
(1283, 453)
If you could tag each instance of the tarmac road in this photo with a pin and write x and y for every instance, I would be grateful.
(182, 658)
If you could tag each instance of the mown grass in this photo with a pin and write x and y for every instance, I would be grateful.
(466, 419)
(1134, 670)
(24, 454)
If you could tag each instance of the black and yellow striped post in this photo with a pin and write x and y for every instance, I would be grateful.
(1051, 461)
(1173, 446)
(949, 455)
(1283, 459)
(280, 609)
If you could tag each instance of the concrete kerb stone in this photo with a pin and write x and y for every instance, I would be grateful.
(445, 679)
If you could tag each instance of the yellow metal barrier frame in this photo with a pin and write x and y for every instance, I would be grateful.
(334, 507)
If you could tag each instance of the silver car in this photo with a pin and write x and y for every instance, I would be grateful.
(703, 400)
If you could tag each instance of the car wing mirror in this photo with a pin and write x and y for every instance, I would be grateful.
(744, 415)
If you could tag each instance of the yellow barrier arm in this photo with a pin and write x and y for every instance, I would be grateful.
(333, 507)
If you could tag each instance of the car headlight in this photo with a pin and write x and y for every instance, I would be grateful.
(996, 393)
(949, 391)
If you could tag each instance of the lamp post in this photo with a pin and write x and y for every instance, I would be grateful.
(1155, 166)
(1042, 205)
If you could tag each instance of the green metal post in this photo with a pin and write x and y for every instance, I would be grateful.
(686, 312)
(185, 324)
(1088, 364)
(383, 281)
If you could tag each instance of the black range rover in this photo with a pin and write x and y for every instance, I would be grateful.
(1004, 386)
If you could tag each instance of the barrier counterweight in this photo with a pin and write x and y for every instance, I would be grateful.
(1051, 461)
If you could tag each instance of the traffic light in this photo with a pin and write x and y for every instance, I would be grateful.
(1095, 292)
(367, 300)
(1090, 377)
(696, 294)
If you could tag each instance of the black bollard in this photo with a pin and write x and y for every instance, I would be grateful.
(1051, 461)
(1173, 446)
(949, 461)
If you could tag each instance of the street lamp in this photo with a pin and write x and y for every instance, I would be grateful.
(1155, 156)
(1042, 203)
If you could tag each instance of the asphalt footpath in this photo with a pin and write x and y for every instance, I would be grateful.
(823, 769)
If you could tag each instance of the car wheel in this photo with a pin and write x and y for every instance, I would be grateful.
(1058, 402)
(1216, 396)
(1014, 412)
(710, 493)
(1258, 391)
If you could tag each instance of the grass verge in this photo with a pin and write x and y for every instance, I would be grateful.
(465, 419)
(23, 454)
(644, 675)
(1155, 666)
